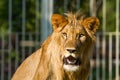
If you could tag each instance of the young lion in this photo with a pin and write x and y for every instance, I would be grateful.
(65, 54)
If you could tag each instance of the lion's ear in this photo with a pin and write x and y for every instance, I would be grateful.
(91, 23)
(58, 21)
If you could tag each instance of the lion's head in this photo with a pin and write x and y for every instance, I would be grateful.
(75, 37)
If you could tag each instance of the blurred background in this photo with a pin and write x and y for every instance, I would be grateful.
(25, 24)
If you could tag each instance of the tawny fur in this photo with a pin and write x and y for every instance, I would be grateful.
(47, 64)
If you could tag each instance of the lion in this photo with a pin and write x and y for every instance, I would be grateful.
(65, 54)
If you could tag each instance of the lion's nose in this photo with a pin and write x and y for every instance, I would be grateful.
(71, 50)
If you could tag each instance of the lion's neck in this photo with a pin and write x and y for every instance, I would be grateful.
(72, 76)
(58, 73)
(63, 75)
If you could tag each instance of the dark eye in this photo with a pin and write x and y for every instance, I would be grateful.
(81, 35)
(64, 35)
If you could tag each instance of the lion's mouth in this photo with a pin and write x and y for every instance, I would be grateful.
(70, 60)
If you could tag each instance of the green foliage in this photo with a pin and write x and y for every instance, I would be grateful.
(3, 16)
(59, 7)
(17, 16)
(111, 15)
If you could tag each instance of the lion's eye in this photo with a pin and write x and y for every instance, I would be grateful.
(82, 37)
(64, 35)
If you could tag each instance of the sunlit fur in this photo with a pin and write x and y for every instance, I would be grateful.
(47, 62)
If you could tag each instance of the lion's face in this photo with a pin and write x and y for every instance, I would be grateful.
(74, 39)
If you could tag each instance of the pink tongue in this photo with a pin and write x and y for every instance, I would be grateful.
(71, 59)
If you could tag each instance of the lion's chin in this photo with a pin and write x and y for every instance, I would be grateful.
(71, 63)
(71, 67)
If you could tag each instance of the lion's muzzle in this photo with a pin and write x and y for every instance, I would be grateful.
(71, 63)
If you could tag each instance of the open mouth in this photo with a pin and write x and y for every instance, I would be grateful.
(70, 60)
